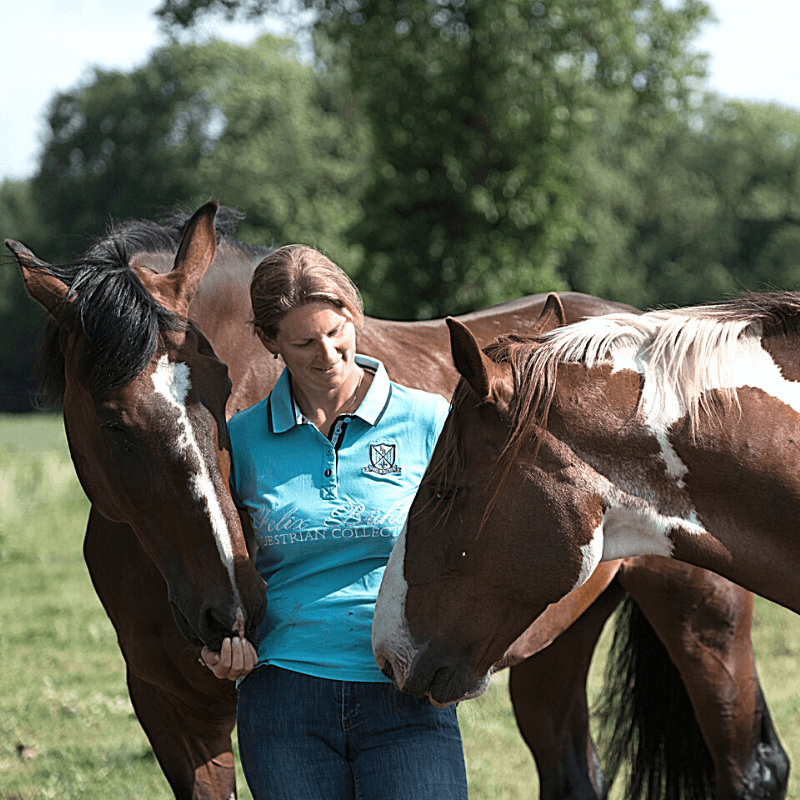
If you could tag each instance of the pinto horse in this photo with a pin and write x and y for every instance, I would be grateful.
(148, 353)
(670, 434)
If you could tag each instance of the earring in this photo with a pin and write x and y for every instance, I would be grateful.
(274, 355)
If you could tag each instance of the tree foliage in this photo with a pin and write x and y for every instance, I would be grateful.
(477, 107)
(447, 153)
(21, 320)
(250, 126)
(705, 207)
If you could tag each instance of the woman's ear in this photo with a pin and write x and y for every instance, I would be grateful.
(266, 341)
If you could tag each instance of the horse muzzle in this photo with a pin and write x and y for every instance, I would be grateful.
(442, 681)
(215, 622)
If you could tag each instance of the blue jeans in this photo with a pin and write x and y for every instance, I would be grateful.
(306, 738)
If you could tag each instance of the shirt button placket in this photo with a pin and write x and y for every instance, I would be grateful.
(329, 473)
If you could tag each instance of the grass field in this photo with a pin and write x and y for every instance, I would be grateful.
(67, 729)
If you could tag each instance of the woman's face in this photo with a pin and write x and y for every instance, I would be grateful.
(317, 341)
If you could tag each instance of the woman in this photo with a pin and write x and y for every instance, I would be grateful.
(326, 467)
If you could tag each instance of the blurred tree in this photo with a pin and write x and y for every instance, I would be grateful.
(706, 206)
(477, 108)
(250, 126)
(750, 154)
(21, 319)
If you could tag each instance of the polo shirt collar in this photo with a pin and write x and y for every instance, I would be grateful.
(284, 413)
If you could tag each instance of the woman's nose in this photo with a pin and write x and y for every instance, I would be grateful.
(328, 351)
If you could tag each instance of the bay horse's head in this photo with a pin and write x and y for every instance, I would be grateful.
(143, 397)
(448, 566)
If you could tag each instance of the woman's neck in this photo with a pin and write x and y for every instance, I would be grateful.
(324, 408)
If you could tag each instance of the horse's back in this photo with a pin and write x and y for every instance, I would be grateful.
(418, 353)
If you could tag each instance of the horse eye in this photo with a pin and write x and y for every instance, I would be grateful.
(119, 434)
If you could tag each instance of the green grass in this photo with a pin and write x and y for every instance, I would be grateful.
(67, 729)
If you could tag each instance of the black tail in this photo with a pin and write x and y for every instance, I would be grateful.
(647, 720)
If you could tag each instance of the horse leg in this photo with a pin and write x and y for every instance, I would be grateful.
(548, 694)
(193, 751)
(186, 713)
(704, 622)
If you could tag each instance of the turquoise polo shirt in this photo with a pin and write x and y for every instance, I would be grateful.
(326, 512)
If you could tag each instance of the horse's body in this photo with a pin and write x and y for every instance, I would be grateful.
(168, 554)
(674, 433)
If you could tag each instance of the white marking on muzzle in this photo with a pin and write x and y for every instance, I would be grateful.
(172, 381)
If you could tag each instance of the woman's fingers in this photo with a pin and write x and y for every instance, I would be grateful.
(236, 658)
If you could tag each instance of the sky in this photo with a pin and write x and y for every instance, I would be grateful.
(49, 46)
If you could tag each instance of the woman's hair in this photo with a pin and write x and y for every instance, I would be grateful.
(294, 275)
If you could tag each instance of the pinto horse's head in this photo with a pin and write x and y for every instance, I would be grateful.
(143, 397)
(458, 589)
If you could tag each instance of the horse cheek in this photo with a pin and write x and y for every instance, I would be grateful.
(90, 455)
(564, 542)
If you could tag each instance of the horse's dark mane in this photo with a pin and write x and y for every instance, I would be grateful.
(775, 309)
(530, 406)
(119, 322)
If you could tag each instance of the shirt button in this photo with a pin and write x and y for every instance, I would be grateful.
(327, 473)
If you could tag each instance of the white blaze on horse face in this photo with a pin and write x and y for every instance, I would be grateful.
(172, 381)
(391, 640)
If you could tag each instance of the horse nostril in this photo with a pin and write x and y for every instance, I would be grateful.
(388, 670)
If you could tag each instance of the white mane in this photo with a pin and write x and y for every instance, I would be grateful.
(682, 354)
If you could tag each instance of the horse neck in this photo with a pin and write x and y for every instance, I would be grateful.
(415, 354)
(723, 495)
(221, 309)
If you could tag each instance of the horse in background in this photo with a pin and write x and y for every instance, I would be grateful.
(149, 354)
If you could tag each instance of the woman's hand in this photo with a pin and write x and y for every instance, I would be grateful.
(236, 658)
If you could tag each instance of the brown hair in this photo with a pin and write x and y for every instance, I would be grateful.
(294, 275)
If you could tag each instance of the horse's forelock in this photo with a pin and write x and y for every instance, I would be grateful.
(109, 307)
(117, 319)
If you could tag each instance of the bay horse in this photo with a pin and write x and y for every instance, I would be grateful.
(149, 354)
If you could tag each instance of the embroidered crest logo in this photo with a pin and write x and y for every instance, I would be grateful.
(382, 459)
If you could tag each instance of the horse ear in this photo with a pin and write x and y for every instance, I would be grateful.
(40, 283)
(195, 254)
(475, 367)
(552, 315)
